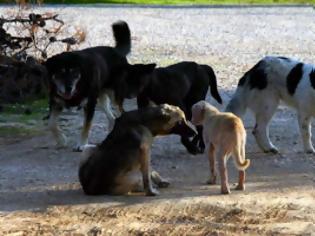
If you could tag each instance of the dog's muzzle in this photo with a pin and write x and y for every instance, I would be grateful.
(184, 128)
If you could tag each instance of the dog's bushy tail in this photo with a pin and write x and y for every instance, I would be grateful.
(213, 84)
(122, 37)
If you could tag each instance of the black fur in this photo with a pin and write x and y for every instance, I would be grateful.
(294, 78)
(285, 58)
(122, 38)
(119, 154)
(182, 84)
(312, 78)
(256, 77)
(98, 70)
(95, 66)
(242, 80)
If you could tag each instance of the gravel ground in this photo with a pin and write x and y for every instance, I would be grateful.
(229, 39)
(39, 190)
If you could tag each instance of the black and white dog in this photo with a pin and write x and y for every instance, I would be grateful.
(182, 84)
(87, 77)
(271, 80)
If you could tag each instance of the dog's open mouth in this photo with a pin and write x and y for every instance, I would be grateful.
(67, 96)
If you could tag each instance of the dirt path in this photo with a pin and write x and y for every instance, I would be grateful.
(39, 190)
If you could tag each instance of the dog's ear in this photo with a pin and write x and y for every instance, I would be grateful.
(164, 115)
(144, 69)
(202, 111)
(198, 113)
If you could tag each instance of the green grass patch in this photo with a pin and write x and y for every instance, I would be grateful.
(23, 113)
(179, 2)
(17, 131)
(25, 119)
(17, 108)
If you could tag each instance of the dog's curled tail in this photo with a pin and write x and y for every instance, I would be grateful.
(122, 37)
(213, 84)
(240, 161)
(242, 165)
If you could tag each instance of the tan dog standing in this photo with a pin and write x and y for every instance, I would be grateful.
(224, 135)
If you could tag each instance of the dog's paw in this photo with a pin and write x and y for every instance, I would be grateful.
(195, 150)
(240, 187)
(80, 148)
(152, 192)
(272, 150)
(61, 141)
(310, 151)
(225, 191)
(163, 184)
(158, 180)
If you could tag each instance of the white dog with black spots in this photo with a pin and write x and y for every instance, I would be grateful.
(271, 80)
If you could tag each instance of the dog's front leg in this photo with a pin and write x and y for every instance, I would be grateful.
(54, 127)
(190, 146)
(264, 111)
(89, 111)
(306, 132)
(198, 140)
(145, 169)
(261, 133)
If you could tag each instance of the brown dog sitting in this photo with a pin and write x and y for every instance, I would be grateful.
(114, 166)
(224, 135)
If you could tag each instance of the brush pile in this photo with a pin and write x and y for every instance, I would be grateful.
(26, 39)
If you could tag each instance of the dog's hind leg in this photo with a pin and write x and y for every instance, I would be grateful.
(264, 113)
(241, 181)
(129, 182)
(104, 102)
(116, 108)
(54, 127)
(241, 173)
(222, 157)
(306, 132)
(211, 157)
(145, 170)
(89, 111)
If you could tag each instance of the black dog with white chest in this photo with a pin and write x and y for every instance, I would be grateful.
(182, 84)
(86, 77)
(114, 165)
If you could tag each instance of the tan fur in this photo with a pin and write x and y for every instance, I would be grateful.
(224, 135)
